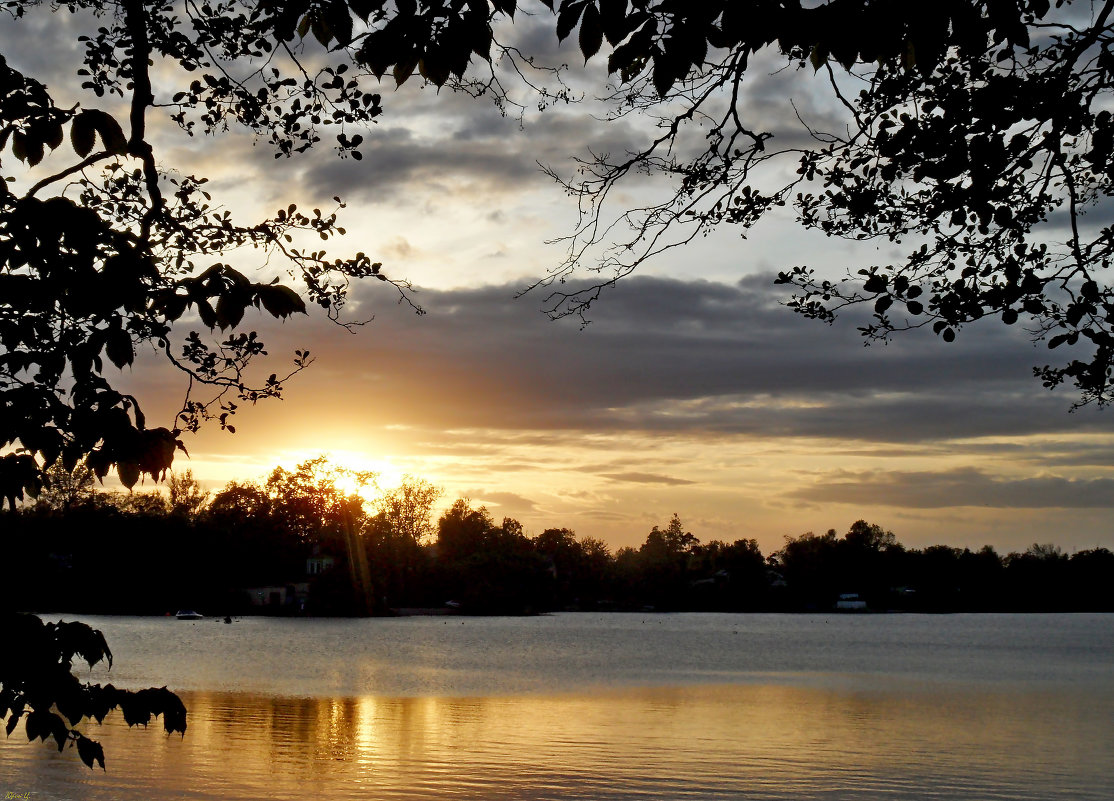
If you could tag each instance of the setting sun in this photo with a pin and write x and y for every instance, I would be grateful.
(386, 475)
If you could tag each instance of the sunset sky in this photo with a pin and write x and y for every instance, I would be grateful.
(692, 391)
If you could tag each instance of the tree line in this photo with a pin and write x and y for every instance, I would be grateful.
(83, 550)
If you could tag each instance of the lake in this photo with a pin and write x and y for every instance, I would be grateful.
(604, 706)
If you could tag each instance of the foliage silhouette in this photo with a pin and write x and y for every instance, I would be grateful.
(975, 134)
(37, 686)
(126, 251)
(243, 540)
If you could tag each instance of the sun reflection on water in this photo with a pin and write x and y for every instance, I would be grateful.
(754, 742)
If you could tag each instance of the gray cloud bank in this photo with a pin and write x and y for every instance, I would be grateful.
(695, 357)
(960, 487)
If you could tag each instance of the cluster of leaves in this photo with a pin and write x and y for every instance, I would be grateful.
(37, 686)
(114, 254)
(975, 130)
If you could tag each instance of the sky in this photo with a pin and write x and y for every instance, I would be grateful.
(692, 391)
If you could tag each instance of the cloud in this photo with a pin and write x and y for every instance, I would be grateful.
(506, 501)
(646, 478)
(958, 487)
(671, 355)
(665, 356)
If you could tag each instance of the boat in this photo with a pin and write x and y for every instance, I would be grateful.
(188, 614)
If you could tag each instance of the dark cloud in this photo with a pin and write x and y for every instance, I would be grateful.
(694, 357)
(959, 487)
(469, 147)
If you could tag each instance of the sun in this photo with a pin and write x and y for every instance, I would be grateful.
(387, 474)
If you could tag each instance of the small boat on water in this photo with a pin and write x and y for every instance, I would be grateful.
(189, 614)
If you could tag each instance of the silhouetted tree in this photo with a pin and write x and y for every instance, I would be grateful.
(254, 537)
(1090, 578)
(65, 488)
(490, 569)
(185, 495)
(663, 564)
(975, 133)
(310, 501)
(394, 538)
(807, 564)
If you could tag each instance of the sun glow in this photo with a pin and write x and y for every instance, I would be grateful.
(387, 475)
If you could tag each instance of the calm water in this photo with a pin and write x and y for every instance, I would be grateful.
(606, 707)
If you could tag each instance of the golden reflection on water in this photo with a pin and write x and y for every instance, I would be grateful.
(731, 741)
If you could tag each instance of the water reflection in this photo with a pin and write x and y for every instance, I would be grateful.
(739, 742)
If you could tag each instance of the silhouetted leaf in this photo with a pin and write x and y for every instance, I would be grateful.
(207, 313)
(568, 17)
(118, 347)
(280, 301)
(663, 74)
(613, 18)
(112, 136)
(128, 473)
(229, 311)
(404, 69)
(340, 23)
(591, 32)
(90, 751)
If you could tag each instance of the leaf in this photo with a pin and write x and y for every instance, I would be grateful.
(128, 472)
(818, 58)
(90, 751)
(404, 69)
(28, 148)
(32, 725)
(613, 18)
(322, 31)
(118, 347)
(208, 316)
(567, 19)
(875, 283)
(54, 136)
(19, 145)
(229, 311)
(59, 730)
(663, 74)
(433, 69)
(112, 135)
(280, 301)
(340, 23)
(591, 32)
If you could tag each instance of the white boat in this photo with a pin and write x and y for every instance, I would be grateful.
(188, 614)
